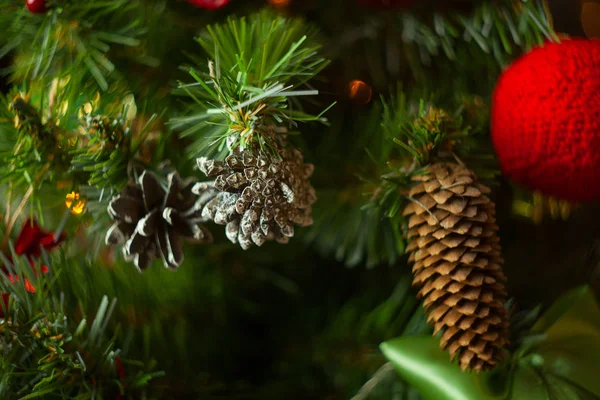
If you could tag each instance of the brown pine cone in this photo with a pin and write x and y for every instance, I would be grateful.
(151, 220)
(261, 198)
(455, 253)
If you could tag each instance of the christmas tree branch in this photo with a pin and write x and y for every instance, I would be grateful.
(259, 66)
(93, 153)
(47, 350)
(69, 38)
(499, 28)
(423, 131)
(366, 390)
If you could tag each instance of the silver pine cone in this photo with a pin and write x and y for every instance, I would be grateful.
(150, 220)
(259, 198)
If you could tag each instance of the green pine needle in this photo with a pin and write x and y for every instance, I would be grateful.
(485, 27)
(46, 351)
(72, 37)
(260, 68)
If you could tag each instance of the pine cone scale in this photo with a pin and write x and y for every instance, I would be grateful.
(152, 192)
(147, 226)
(126, 207)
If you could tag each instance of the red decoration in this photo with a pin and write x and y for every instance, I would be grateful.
(546, 120)
(30, 242)
(32, 238)
(37, 6)
(359, 92)
(121, 372)
(208, 4)
(387, 3)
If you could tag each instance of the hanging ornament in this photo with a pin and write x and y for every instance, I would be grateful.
(37, 6)
(208, 4)
(359, 92)
(545, 124)
(32, 239)
(29, 243)
(279, 3)
(457, 266)
(386, 3)
(75, 203)
(261, 197)
(151, 221)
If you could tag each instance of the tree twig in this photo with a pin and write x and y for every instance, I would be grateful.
(375, 380)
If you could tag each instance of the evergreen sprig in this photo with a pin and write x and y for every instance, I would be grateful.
(34, 146)
(108, 148)
(48, 351)
(499, 28)
(259, 66)
(426, 132)
(73, 38)
(422, 134)
(355, 231)
(50, 149)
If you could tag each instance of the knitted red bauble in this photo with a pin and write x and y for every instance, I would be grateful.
(387, 3)
(37, 6)
(208, 4)
(546, 120)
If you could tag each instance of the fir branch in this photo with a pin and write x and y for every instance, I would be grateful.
(47, 351)
(47, 153)
(259, 66)
(107, 147)
(31, 145)
(501, 28)
(72, 36)
(424, 132)
(354, 231)
(266, 47)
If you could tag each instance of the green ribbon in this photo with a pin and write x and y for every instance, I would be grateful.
(562, 362)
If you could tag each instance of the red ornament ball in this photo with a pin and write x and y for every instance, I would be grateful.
(37, 6)
(546, 120)
(387, 3)
(209, 4)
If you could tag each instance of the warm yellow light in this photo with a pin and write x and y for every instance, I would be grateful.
(75, 203)
(359, 92)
